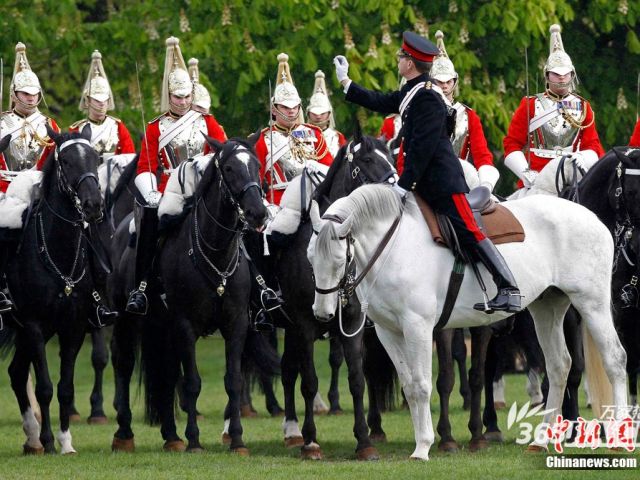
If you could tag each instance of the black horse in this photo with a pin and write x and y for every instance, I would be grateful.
(363, 160)
(50, 282)
(205, 277)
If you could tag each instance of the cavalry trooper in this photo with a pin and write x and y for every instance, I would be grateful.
(201, 98)
(431, 168)
(320, 114)
(556, 122)
(283, 150)
(468, 140)
(30, 144)
(635, 137)
(109, 135)
(169, 140)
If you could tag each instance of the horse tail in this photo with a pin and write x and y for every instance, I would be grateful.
(7, 342)
(599, 386)
(380, 373)
(260, 356)
(158, 364)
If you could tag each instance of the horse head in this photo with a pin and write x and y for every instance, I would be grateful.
(239, 170)
(4, 143)
(624, 191)
(76, 169)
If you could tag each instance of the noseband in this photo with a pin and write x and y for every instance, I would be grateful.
(357, 173)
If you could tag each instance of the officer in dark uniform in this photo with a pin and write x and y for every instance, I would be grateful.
(431, 168)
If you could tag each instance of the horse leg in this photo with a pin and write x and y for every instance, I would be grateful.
(548, 317)
(32, 399)
(415, 372)
(352, 348)
(18, 373)
(99, 360)
(572, 334)
(290, 369)
(233, 380)
(381, 381)
(70, 343)
(489, 415)
(444, 384)
(123, 357)
(480, 337)
(246, 407)
(44, 386)
(459, 352)
(336, 357)
(308, 388)
(272, 405)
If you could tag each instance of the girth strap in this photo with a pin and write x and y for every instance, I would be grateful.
(455, 282)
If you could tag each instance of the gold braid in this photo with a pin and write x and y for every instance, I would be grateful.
(568, 117)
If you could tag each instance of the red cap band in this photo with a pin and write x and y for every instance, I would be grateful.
(418, 55)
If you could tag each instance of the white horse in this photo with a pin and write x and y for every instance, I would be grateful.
(565, 258)
(550, 179)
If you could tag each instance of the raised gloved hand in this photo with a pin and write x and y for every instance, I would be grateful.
(342, 68)
(153, 198)
(529, 178)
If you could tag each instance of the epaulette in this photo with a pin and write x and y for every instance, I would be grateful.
(76, 125)
(50, 122)
(157, 118)
(115, 118)
(428, 85)
(264, 130)
(311, 127)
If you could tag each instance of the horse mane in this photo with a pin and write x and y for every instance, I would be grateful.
(594, 187)
(211, 172)
(363, 207)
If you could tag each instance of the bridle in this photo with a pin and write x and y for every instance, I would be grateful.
(357, 173)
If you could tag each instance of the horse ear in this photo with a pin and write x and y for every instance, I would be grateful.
(254, 137)
(213, 143)
(357, 132)
(344, 228)
(314, 215)
(4, 143)
(53, 135)
(86, 132)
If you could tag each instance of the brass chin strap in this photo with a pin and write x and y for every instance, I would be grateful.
(178, 110)
(25, 107)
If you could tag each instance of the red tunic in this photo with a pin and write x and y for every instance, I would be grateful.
(388, 128)
(125, 144)
(516, 138)
(635, 138)
(157, 162)
(475, 142)
(321, 153)
(39, 164)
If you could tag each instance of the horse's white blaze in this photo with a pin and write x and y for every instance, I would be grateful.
(64, 438)
(244, 157)
(566, 258)
(291, 428)
(31, 429)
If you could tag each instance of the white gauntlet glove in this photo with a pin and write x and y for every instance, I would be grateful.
(342, 68)
(153, 198)
(585, 159)
(147, 186)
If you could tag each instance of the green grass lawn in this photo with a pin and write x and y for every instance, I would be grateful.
(263, 435)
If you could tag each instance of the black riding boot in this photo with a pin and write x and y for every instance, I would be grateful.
(145, 251)
(101, 315)
(508, 297)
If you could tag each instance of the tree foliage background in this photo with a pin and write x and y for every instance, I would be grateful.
(237, 43)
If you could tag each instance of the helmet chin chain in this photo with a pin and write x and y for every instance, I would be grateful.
(284, 117)
(179, 109)
(26, 108)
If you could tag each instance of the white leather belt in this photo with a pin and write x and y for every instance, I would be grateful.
(551, 153)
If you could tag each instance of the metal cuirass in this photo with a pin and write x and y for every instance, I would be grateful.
(27, 141)
(557, 132)
(293, 149)
(461, 129)
(189, 142)
(104, 136)
(333, 140)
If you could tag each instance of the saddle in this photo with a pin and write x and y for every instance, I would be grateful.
(495, 221)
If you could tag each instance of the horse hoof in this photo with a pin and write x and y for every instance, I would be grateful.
(368, 453)
(123, 445)
(98, 420)
(499, 405)
(536, 449)
(494, 437)
(247, 411)
(378, 437)
(477, 445)
(69, 453)
(75, 418)
(450, 446)
(174, 446)
(241, 451)
(195, 450)
(293, 442)
(226, 439)
(337, 411)
(311, 452)
(27, 450)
